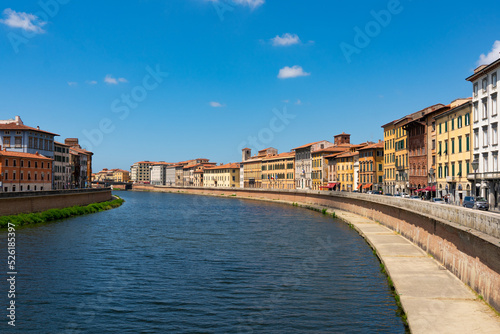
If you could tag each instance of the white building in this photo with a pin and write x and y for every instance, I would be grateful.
(62, 167)
(485, 131)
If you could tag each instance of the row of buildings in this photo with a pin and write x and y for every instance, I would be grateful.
(320, 165)
(32, 160)
(442, 150)
(451, 150)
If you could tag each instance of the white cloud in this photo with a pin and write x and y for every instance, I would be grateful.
(113, 81)
(25, 21)
(286, 101)
(292, 72)
(490, 57)
(250, 3)
(91, 82)
(286, 40)
(299, 102)
(215, 104)
(72, 83)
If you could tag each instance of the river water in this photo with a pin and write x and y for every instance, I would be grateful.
(176, 263)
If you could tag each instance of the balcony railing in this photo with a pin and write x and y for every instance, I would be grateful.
(450, 179)
(400, 168)
(484, 176)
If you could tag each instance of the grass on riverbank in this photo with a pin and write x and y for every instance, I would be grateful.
(55, 214)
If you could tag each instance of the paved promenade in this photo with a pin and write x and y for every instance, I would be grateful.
(434, 300)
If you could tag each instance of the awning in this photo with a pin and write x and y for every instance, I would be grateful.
(433, 188)
(329, 186)
(368, 186)
(360, 185)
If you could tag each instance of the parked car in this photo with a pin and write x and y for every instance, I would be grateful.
(388, 194)
(438, 200)
(397, 195)
(480, 203)
(405, 195)
(376, 192)
(415, 197)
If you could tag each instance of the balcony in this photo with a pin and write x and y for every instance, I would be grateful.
(484, 176)
(400, 168)
(451, 179)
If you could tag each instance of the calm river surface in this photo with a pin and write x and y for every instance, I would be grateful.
(173, 263)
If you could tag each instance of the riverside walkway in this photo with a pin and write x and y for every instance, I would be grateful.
(434, 300)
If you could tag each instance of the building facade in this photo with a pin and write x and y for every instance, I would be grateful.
(389, 158)
(453, 138)
(371, 167)
(24, 172)
(485, 135)
(303, 163)
(278, 172)
(62, 167)
(252, 166)
(223, 176)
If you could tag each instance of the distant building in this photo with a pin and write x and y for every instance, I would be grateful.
(24, 172)
(278, 171)
(140, 172)
(303, 163)
(485, 136)
(62, 166)
(371, 171)
(224, 176)
(80, 159)
(158, 172)
(252, 166)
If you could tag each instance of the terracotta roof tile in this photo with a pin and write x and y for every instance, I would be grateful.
(23, 155)
(14, 126)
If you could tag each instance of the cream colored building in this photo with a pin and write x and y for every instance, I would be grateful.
(224, 176)
(278, 172)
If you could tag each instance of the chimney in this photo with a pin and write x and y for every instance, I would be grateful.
(37, 127)
(18, 120)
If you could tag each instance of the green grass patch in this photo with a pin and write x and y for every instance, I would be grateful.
(57, 214)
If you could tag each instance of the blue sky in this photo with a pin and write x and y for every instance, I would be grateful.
(173, 80)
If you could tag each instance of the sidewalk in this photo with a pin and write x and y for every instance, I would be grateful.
(434, 300)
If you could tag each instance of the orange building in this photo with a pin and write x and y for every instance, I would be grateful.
(25, 172)
(371, 167)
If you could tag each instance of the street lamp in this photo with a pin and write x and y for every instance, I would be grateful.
(475, 166)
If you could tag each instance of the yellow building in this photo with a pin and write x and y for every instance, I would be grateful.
(345, 170)
(389, 184)
(396, 156)
(224, 176)
(252, 166)
(371, 164)
(319, 170)
(278, 172)
(454, 151)
(120, 175)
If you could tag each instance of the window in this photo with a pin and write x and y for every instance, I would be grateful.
(485, 136)
(6, 175)
(475, 89)
(467, 166)
(485, 108)
(476, 138)
(484, 85)
(14, 163)
(18, 141)
(459, 122)
(446, 170)
(485, 163)
(452, 169)
(440, 171)
(467, 143)
(433, 126)
(493, 105)
(6, 162)
(440, 151)
(460, 144)
(459, 168)
(6, 141)
(440, 129)
(452, 123)
(434, 144)
(453, 146)
(467, 119)
(494, 79)
(494, 134)
(495, 162)
(476, 116)
(445, 147)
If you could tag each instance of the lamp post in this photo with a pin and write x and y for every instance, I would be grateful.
(431, 174)
(475, 166)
